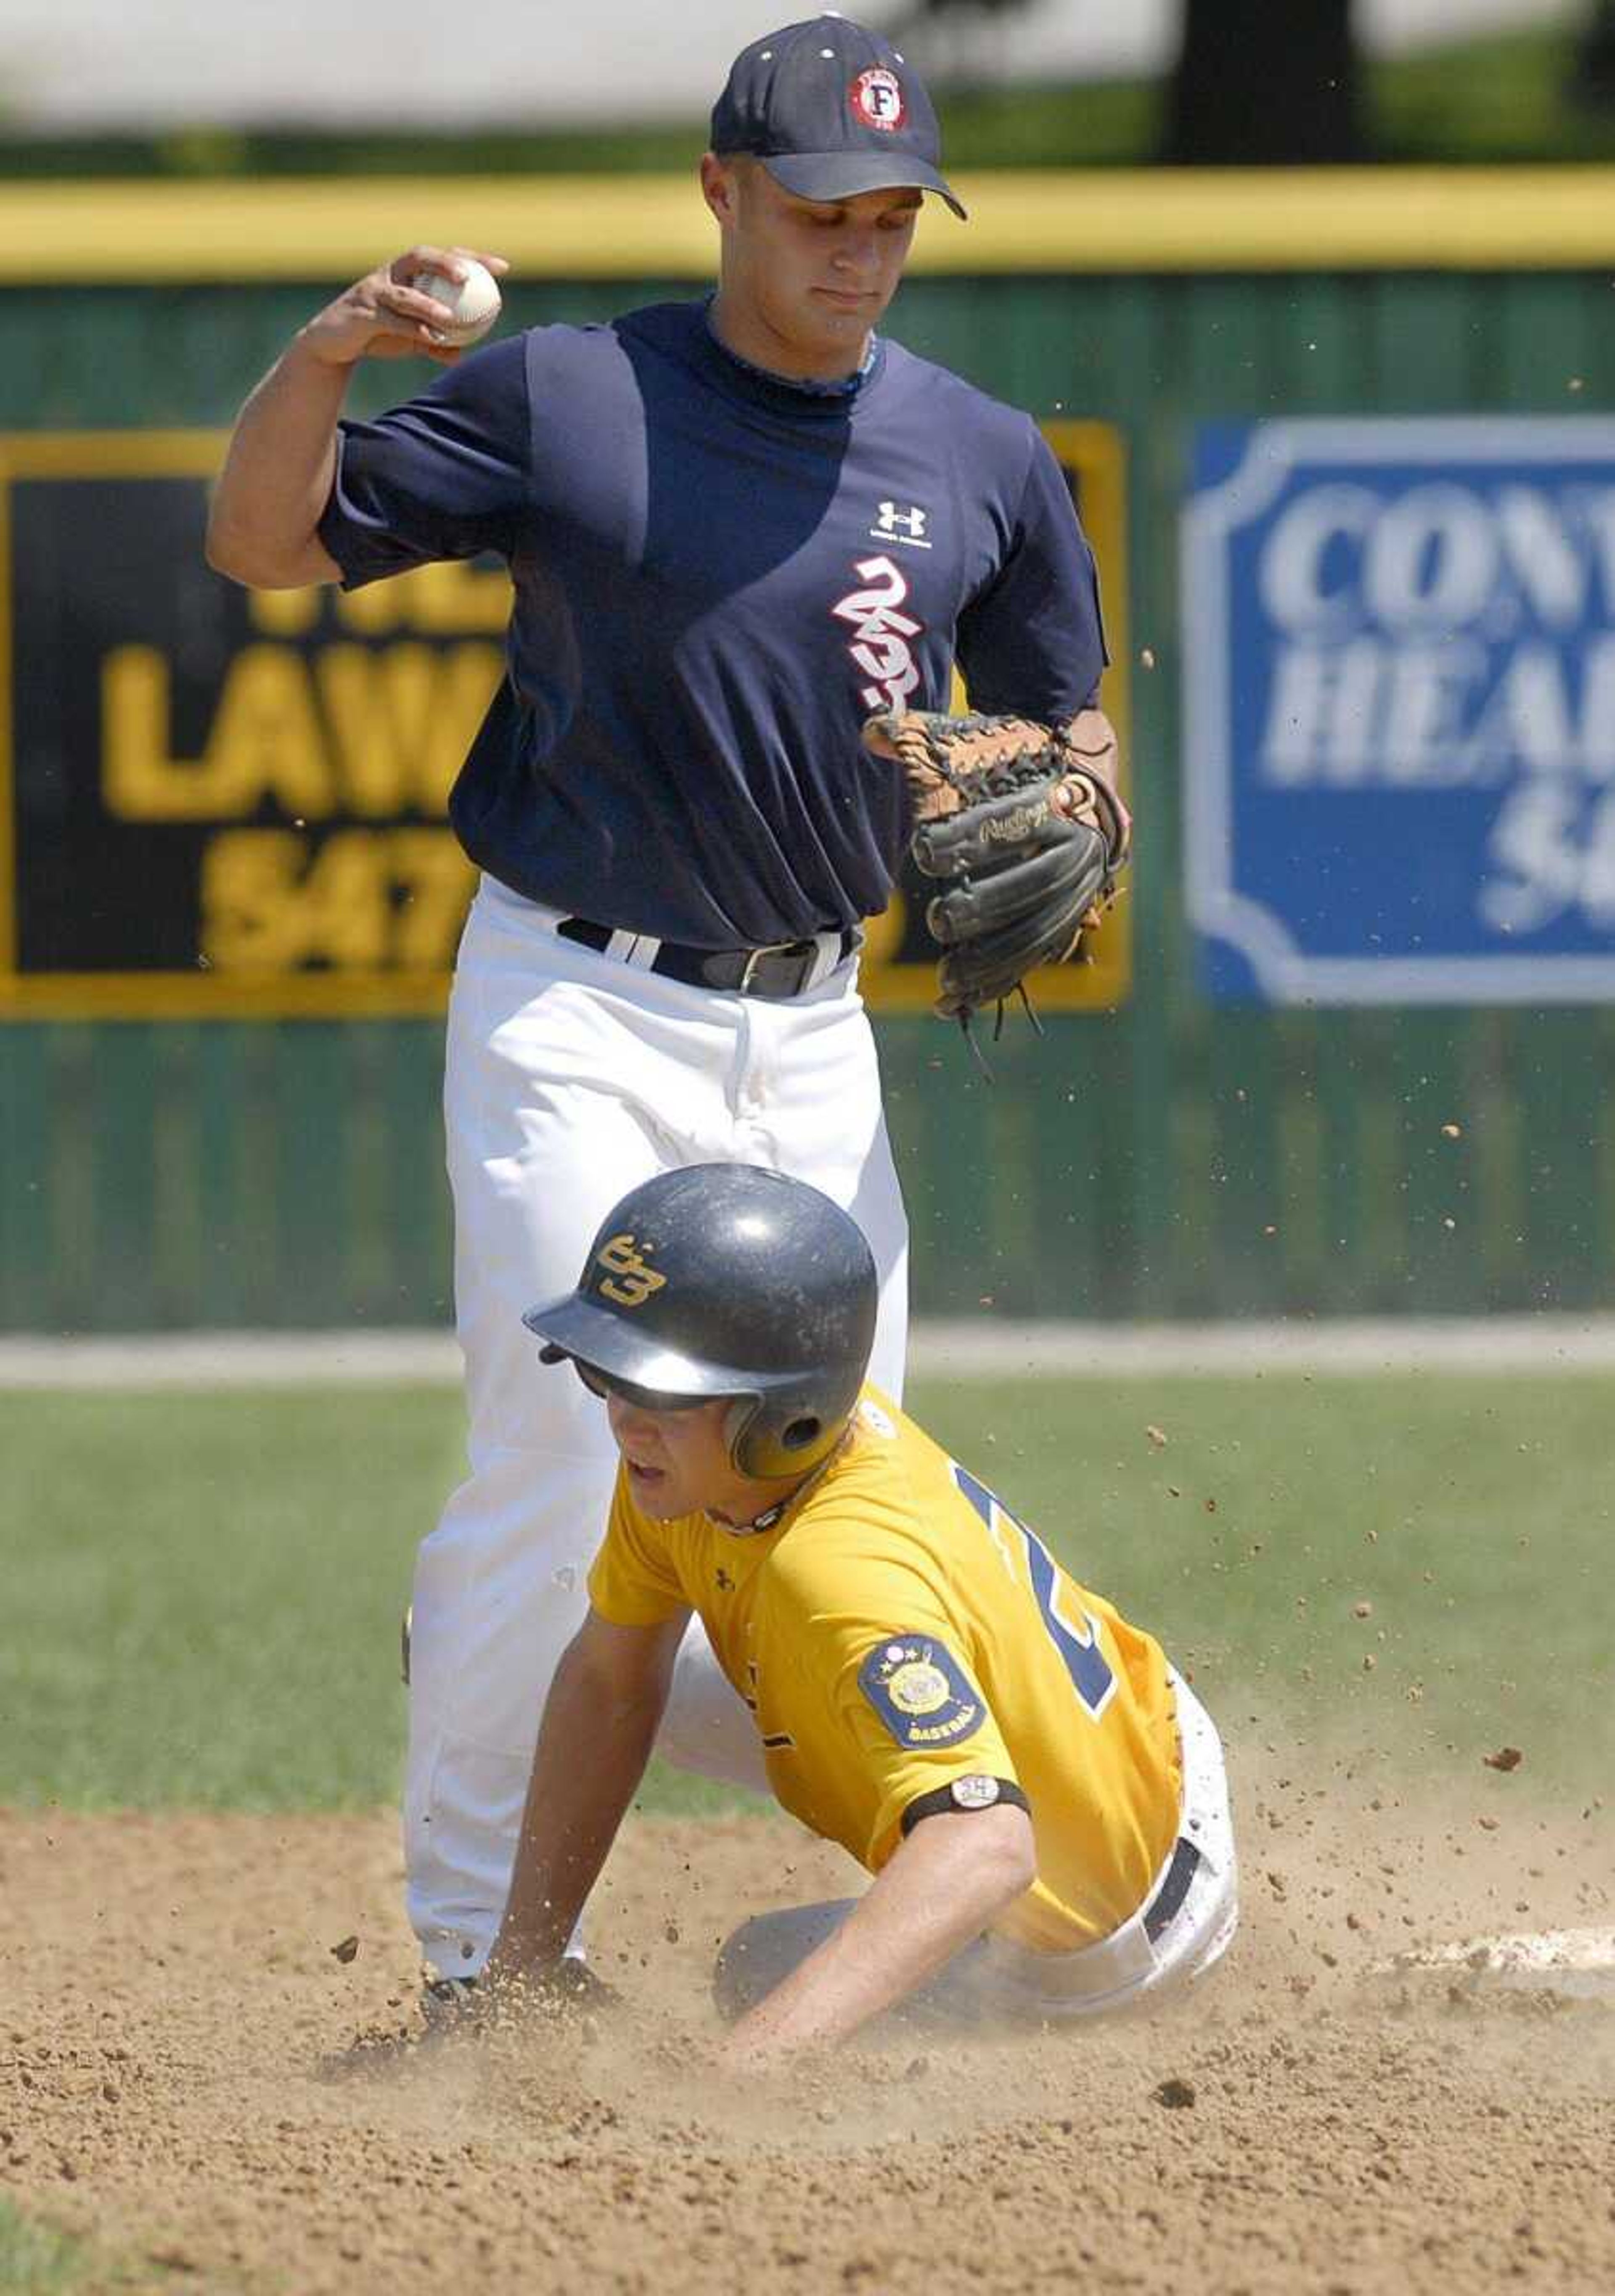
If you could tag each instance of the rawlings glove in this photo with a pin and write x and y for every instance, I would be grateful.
(1022, 828)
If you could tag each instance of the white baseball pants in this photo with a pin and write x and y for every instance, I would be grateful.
(1130, 1966)
(571, 1078)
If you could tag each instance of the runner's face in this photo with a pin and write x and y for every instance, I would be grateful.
(677, 1462)
(804, 281)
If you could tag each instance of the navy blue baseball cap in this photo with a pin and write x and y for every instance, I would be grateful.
(831, 109)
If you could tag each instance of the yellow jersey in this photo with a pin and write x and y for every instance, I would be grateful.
(898, 1629)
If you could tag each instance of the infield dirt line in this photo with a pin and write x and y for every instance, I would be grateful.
(957, 1350)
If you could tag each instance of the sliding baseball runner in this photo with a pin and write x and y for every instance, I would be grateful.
(1039, 1796)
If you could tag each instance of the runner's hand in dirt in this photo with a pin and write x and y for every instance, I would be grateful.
(563, 1987)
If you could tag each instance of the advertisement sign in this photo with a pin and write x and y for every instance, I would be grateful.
(231, 802)
(1399, 710)
(221, 801)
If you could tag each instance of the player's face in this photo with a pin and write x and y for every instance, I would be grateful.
(677, 1462)
(804, 281)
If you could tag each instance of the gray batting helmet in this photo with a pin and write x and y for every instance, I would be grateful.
(728, 1280)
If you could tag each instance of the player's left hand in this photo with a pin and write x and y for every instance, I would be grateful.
(566, 1986)
(503, 1998)
(1023, 827)
(560, 1988)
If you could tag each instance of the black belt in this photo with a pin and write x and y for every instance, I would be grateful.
(1174, 1889)
(781, 969)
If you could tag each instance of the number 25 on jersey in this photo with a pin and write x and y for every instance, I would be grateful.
(1075, 1639)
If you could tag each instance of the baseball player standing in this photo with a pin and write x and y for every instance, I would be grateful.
(1040, 1797)
(735, 527)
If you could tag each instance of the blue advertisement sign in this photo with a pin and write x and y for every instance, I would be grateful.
(1399, 710)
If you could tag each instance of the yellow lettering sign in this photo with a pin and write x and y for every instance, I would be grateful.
(448, 600)
(402, 718)
(265, 741)
(368, 898)
(374, 732)
(435, 883)
(454, 600)
(286, 613)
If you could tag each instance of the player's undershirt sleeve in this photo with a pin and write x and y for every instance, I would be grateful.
(632, 1581)
(1032, 641)
(445, 476)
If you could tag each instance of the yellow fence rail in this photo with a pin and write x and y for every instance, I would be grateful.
(655, 225)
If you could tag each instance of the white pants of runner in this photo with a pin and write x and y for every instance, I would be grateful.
(992, 1979)
(1130, 1966)
(572, 1077)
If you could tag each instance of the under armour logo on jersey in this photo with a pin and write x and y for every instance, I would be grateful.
(630, 1282)
(900, 522)
(881, 646)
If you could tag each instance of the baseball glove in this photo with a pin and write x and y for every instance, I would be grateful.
(1022, 826)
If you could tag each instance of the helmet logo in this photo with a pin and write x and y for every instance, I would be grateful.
(630, 1282)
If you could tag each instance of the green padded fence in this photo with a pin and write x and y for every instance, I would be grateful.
(1167, 1160)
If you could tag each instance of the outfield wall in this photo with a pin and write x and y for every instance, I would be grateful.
(1167, 1159)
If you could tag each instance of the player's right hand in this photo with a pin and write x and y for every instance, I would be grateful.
(383, 316)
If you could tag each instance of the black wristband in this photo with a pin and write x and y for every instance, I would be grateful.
(965, 1794)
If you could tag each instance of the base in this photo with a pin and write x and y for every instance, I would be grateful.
(1572, 1963)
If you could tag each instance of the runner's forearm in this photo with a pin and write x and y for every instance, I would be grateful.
(593, 1744)
(942, 1887)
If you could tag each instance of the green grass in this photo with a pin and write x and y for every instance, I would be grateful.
(35, 2261)
(1472, 1515)
(1500, 98)
(203, 1592)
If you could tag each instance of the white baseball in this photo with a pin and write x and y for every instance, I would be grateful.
(475, 302)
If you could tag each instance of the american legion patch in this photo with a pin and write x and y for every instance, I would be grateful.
(920, 1692)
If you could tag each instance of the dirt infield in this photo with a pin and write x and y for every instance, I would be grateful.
(194, 2080)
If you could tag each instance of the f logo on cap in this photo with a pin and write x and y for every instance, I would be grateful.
(833, 110)
(877, 98)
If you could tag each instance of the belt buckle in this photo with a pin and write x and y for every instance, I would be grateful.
(755, 957)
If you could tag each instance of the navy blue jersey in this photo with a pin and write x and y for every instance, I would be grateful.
(719, 575)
